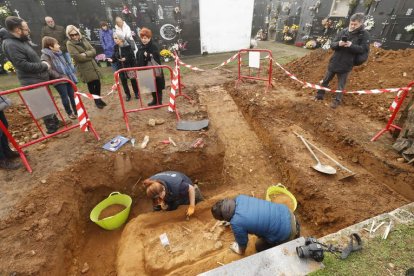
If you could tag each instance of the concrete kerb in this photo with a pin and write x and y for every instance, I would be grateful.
(402, 215)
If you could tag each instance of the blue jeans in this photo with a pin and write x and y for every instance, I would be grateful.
(66, 93)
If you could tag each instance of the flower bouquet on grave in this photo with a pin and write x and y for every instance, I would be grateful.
(410, 28)
(369, 23)
(8, 67)
(101, 60)
(4, 12)
(166, 55)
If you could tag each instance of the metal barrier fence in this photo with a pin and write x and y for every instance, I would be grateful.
(39, 102)
(390, 126)
(258, 67)
(145, 77)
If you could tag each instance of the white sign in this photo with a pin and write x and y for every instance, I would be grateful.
(254, 59)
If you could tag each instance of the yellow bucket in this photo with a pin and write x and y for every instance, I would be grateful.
(280, 189)
(117, 220)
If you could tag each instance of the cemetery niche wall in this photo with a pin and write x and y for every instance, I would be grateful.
(174, 23)
(390, 23)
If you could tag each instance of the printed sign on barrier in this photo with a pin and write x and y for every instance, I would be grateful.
(39, 102)
(254, 59)
(146, 82)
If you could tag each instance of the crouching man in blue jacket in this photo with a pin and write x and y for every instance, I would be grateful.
(273, 223)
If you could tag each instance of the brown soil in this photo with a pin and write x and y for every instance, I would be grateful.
(111, 210)
(249, 146)
(283, 199)
(384, 69)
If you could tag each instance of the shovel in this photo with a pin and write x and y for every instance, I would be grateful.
(319, 167)
(336, 162)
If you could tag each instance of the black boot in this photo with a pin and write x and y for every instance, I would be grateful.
(102, 102)
(154, 99)
(6, 164)
(11, 154)
(159, 97)
(99, 104)
(128, 97)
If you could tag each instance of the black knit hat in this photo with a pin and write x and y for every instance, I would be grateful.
(223, 209)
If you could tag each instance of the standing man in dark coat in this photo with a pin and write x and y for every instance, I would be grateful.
(348, 44)
(29, 68)
(58, 33)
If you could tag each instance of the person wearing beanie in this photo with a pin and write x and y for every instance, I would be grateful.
(84, 54)
(273, 223)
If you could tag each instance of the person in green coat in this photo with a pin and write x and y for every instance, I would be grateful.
(83, 54)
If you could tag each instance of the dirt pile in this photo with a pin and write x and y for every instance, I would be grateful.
(384, 69)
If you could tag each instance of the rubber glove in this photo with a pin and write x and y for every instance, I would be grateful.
(190, 210)
(236, 248)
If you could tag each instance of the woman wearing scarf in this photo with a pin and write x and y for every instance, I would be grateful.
(84, 54)
(148, 53)
(59, 68)
(124, 56)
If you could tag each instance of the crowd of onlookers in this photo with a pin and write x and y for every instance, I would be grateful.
(67, 54)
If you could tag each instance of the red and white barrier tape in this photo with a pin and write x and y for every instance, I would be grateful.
(315, 86)
(190, 66)
(174, 86)
(228, 61)
(96, 97)
(83, 122)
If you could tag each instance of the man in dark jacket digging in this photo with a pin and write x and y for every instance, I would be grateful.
(273, 223)
(350, 45)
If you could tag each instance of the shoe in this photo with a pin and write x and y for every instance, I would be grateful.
(100, 106)
(6, 164)
(318, 98)
(72, 117)
(102, 102)
(11, 154)
(152, 103)
(60, 123)
(137, 97)
(50, 131)
(335, 104)
(128, 98)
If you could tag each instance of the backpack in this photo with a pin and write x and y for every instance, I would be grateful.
(361, 58)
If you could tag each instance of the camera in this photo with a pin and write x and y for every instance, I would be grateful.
(311, 249)
(344, 38)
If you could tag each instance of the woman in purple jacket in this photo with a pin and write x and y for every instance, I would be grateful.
(107, 42)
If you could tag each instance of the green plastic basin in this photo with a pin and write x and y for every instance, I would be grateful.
(117, 220)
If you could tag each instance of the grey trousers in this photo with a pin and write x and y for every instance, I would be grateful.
(342, 77)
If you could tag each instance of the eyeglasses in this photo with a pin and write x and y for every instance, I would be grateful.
(72, 35)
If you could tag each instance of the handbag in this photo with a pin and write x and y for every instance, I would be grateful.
(4, 103)
(157, 70)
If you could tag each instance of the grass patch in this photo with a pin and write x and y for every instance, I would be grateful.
(392, 256)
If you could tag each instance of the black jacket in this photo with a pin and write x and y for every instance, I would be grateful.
(342, 60)
(142, 60)
(29, 68)
(124, 52)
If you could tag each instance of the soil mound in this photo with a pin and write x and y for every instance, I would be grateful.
(384, 69)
